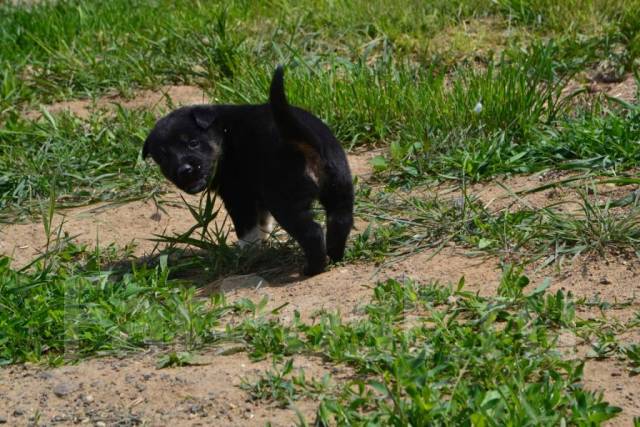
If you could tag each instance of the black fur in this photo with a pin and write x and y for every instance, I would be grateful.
(272, 158)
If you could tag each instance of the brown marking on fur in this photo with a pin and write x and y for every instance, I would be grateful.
(314, 163)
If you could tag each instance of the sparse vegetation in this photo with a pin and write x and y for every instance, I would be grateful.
(431, 354)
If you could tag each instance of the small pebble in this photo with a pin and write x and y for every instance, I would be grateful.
(605, 281)
(3, 420)
(63, 389)
(18, 412)
(87, 398)
(101, 424)
(45, 375)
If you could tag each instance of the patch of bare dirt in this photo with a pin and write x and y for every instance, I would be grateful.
(447, 267)
(121, 224)
(132, 391)
(619, 388)
(499, 194)
(150, 99)
(477, 38)
(526, 192)
(625, 89)
(348, 287)
(360, 163)
(610, 376)
(609, 279)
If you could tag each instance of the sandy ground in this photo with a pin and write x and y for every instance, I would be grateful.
(131, 390)
(625, 90)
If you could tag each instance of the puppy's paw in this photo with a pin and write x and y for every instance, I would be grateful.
(244, 244)
(255, 237)
(336, 255)
(311, 269)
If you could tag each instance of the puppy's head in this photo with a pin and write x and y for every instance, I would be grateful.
(186, 144)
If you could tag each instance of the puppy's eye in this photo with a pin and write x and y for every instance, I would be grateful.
(194, 143)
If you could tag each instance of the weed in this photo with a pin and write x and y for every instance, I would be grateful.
(281, 386)
(632, 352)
(176, 359)
(205, 247)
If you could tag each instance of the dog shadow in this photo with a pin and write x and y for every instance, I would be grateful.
(254, 269)
(224, 271)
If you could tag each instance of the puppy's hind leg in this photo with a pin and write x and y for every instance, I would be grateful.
(339, 208)
(300, 225)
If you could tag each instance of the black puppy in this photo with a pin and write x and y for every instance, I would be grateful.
(268, 159)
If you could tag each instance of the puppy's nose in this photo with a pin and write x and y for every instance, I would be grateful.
(186, 171)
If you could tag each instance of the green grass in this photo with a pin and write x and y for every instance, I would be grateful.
(204, 252)
(420, 352)
(71, 304)
(603, 141)
(82, 161)
(73, 301)
(433, 130)
(70, 48)
(551, 234)
(279, 386)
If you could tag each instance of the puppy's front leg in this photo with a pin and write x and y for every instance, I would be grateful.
(258, 233)
(244, 213)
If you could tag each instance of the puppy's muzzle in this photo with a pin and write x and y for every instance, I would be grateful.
(191, 178)
(187, 172)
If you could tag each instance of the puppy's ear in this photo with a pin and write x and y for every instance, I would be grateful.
(204, 116)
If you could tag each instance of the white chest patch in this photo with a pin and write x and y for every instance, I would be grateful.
(258, 233)
(266, 226)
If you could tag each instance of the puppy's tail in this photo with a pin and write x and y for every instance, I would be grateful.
(290, 127)
(277, 97)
